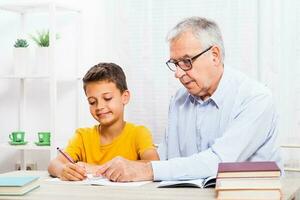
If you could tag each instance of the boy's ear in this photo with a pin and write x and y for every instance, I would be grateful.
(125, 97)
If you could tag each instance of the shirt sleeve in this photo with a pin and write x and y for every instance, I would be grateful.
(143, 140)
(252, 125)
(75, 146)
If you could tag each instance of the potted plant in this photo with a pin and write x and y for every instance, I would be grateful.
(21, 43)
(21, 57)
(42, 38)
(42, 52)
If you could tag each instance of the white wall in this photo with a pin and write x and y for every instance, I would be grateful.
(261, 39)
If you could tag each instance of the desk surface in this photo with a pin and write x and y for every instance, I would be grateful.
(48, 190)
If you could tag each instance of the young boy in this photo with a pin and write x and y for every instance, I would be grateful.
(107, 94)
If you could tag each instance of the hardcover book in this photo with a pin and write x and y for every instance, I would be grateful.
(249, 194)
(248, 169)
(248, 184)
(18, 185)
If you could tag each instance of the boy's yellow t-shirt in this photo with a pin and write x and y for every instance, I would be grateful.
(85, 145)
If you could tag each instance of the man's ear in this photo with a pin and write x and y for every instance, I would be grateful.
(216, 55)
(125, 97)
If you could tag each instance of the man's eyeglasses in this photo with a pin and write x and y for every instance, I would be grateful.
(186, 63)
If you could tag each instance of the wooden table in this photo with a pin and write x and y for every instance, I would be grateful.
(48, 190)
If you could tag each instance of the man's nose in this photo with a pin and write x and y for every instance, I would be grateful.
(179, 72)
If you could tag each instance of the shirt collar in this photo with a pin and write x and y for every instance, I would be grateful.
(218, 95)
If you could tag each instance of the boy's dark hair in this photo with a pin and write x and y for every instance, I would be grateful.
(106, 72)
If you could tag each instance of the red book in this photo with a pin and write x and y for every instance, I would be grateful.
(248, 169)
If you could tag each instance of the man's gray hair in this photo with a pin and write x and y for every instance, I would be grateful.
(205, 30)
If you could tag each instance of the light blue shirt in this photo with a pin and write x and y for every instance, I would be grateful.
(237, 123)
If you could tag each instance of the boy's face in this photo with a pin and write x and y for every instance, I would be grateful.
(106, 101)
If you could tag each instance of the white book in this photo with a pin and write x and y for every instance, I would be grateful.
(249, 194)
(248, 184)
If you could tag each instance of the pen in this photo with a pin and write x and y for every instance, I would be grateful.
(65, 155)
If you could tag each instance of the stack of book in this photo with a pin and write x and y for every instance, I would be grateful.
(18, 185)
(248, 180)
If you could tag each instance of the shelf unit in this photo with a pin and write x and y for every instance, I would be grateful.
(23, 149)
(50, 8)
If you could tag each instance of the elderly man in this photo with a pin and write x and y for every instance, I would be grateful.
(219, 116)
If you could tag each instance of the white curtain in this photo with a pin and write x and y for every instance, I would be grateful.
(261, 39)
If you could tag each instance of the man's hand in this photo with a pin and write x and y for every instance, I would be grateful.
(122, 170)
(73, 172)
(89, 168)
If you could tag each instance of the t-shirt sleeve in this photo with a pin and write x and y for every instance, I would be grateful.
(144, 140)
(75, 147)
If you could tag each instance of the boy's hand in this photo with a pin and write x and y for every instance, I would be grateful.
(73, 172)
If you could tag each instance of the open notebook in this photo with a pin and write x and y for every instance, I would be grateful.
(98, 181)
(200, 183)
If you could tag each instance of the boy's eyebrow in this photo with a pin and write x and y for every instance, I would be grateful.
(106, 93)
(101, 95)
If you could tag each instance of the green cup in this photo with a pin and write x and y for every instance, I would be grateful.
(44, 137)
(17, 136)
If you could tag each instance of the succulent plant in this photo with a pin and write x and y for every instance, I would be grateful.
(21, 43)
(42, 38)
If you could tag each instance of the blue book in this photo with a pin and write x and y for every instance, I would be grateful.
(18, 185)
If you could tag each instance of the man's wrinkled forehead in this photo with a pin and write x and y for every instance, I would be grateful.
(184, 46)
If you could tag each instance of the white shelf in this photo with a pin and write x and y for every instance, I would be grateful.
(290, 146)
(291, 169)
(22, 149)
(28, 146)
(36, 7)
